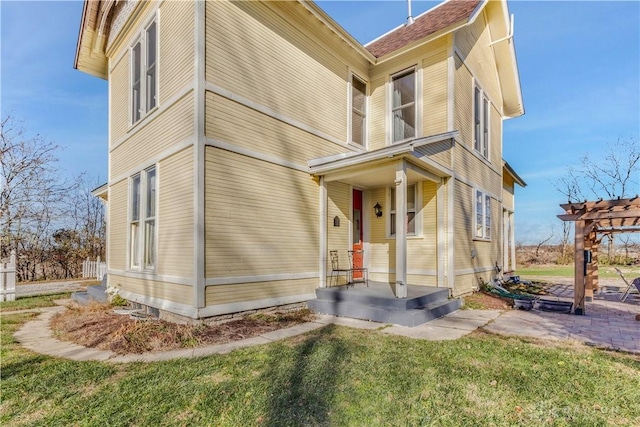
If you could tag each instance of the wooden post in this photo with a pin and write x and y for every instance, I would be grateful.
(594, 263)
(578, 286)
(590, 237)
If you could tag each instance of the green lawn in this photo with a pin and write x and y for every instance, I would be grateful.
(606, 272)
(32, 302)
(335, 377)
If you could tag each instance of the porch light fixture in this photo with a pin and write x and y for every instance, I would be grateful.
(378, 209)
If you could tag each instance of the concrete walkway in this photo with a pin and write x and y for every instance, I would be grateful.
(608, 323)
(36, 335)
(35, 289)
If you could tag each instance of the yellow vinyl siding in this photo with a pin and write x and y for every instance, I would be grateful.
(463, 225)
(119, 105)
(254, 53)
(495, 140)
(377, 113)
(175, 215)
(243, 292)
(155, 289)
(438, 151)
(381, 250)
(435, 89)
(177, 47)
(473, 169)
(473, 43)
(172, 126)
(118, 225)
(338, 237)
(508, 192)
(260, 218)
(463, 93)
(241, 126)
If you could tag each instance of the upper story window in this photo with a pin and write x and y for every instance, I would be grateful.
(411, 211)
(403, 105)
(142, 220)
(480, 122)
(482, 217)
(144, 72)
(358, 111)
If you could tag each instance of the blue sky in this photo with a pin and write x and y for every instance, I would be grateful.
(579, 64)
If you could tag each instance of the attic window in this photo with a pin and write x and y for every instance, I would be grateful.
(144, 72)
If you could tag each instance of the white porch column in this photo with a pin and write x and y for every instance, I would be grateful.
(322, 265)
(441, 235)
(401, 229)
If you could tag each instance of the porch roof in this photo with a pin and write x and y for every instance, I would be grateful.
(377, 168)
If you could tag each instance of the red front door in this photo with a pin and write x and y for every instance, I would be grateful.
(357, 233)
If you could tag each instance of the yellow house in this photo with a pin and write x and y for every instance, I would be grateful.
(249, 139)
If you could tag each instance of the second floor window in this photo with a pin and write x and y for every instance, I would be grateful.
(358, 111)
(144, 72)
(480, 123)
(403, 105)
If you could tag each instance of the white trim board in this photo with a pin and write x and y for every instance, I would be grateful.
(176, 280)
(474, 270)
(162, 304)
(235, 280)
(256, 155)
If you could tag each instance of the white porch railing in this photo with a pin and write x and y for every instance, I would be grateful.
(8, 278)
(93, 269)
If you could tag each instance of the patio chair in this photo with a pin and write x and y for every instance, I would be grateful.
(635, 282)
(363, 270)
(336, 271)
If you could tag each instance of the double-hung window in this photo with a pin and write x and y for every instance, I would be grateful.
(403, 105)
(482, 222)
(144, 72)
(411, 211)
(481, 109)
(142, 220)
(358, 111)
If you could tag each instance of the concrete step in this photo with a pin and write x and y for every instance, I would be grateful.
(385, 314)
(93, 293)
(417, 297)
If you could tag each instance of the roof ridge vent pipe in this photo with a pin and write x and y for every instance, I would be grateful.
(410, 19)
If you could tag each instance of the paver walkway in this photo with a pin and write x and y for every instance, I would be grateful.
(607, 323)
(49, 288)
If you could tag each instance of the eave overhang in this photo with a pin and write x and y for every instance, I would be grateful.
(101, 191)
(513, 174)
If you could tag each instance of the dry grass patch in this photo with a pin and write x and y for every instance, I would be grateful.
(482, 301)
(97, 325)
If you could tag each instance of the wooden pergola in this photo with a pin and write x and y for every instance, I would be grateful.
(593, 221)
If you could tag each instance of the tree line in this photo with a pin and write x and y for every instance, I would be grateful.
(51, 222)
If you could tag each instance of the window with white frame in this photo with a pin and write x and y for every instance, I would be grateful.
(358, 111)
(411, 210)
(482, 223)
(144, 72)
(481, 122)
(403, 105)
(142, 220)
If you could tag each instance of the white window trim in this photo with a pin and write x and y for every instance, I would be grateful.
(485, 102)
(142, 218)
(140, 37)
(418, 212)
(417, 102)
(365, 144)
(485, 235)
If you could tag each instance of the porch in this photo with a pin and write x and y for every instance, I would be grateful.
(378, 302)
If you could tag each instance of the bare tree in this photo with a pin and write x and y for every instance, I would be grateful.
(614, 175)
(53, 224)
(542, 242)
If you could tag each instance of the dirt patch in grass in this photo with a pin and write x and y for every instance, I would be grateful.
(482, 301)
(98, 326)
